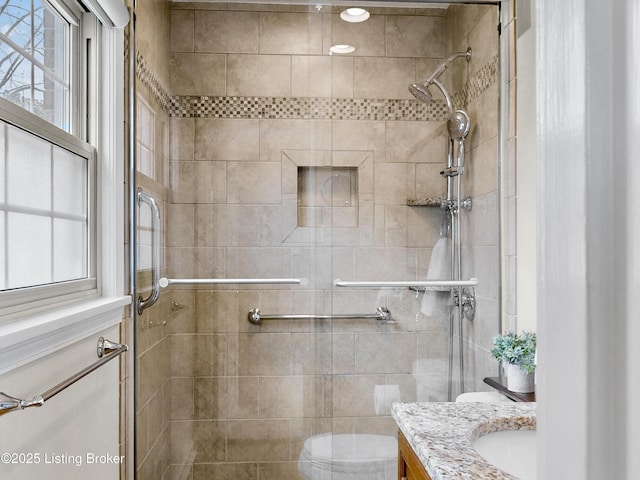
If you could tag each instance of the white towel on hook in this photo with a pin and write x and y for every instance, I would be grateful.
(435, 302)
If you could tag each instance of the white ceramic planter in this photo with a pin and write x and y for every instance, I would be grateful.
(518, 380)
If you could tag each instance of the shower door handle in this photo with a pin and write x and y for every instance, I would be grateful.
(144, 303)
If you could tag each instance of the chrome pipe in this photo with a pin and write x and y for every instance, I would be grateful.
(466, 54)
(445, 94)
(450, 148)
(454, 233)
(458, 247)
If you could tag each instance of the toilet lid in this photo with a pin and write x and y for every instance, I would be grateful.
(348, 451)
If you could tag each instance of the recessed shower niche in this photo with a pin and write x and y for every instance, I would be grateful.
(327, 196)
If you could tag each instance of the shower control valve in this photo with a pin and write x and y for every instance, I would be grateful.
(467, 203)
(447, 204)
(467, 299)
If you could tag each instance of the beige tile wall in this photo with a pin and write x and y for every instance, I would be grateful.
(153, 386)
(282, 53)
(509, 192)
(476, 25)
(242, 399)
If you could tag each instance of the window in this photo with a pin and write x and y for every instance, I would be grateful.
(146, 138)
(47, 170)
(36, 46)
(44, 210)
(61, 175)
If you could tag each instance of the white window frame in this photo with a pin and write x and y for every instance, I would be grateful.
(44, 326)
(15, 302)
(71, 13)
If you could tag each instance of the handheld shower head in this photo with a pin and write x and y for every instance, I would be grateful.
(459, 125)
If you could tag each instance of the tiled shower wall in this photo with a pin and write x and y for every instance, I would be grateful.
(477, 26)
(252, 97)
(153, 381)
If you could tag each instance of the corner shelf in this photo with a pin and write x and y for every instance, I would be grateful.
(425, 202)
(496, 382)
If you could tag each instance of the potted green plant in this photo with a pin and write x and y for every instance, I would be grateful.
(517, 354)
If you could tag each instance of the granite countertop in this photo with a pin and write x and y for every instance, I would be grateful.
(441, 434)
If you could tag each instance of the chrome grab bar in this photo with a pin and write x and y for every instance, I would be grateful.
(472, 282)
(381, 314)
(165, 282)
(144, 303)
(106, 350)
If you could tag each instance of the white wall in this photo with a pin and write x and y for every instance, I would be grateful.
(589, 265)
(526, 171)
(80, 421)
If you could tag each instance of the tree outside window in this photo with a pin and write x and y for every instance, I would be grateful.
(34, 62)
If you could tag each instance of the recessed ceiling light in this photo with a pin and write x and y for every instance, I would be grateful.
(342, 49)
(354, 15)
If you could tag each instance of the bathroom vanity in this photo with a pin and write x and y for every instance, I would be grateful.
(435, 440)
(409, 465)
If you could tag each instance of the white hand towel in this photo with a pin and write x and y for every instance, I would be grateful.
(436, 302)
(384, 396)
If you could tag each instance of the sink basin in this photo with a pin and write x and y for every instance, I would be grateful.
(513, 451)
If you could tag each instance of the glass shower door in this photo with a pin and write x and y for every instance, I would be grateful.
(285, 161)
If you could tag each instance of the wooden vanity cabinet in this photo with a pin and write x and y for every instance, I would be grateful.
(409, 466)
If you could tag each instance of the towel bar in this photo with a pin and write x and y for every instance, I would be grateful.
(381, 315)
(106, 350)
(472, 282)
(165, 282)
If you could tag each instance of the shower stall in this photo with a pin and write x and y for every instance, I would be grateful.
(308, 249)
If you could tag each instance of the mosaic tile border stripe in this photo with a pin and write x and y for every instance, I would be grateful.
(306, 108)
(478, 84)
(148, 78)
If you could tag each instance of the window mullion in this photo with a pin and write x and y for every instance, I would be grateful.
(32, 55)
(88, 76)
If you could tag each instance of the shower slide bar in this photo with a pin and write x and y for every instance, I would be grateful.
(165, 282)
(472, 282)
(382, 315)
(106, 351)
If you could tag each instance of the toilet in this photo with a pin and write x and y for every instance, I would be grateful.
(363, 456)
(431, 382)
(349, 456)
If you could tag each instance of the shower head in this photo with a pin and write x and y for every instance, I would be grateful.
(421, 91)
